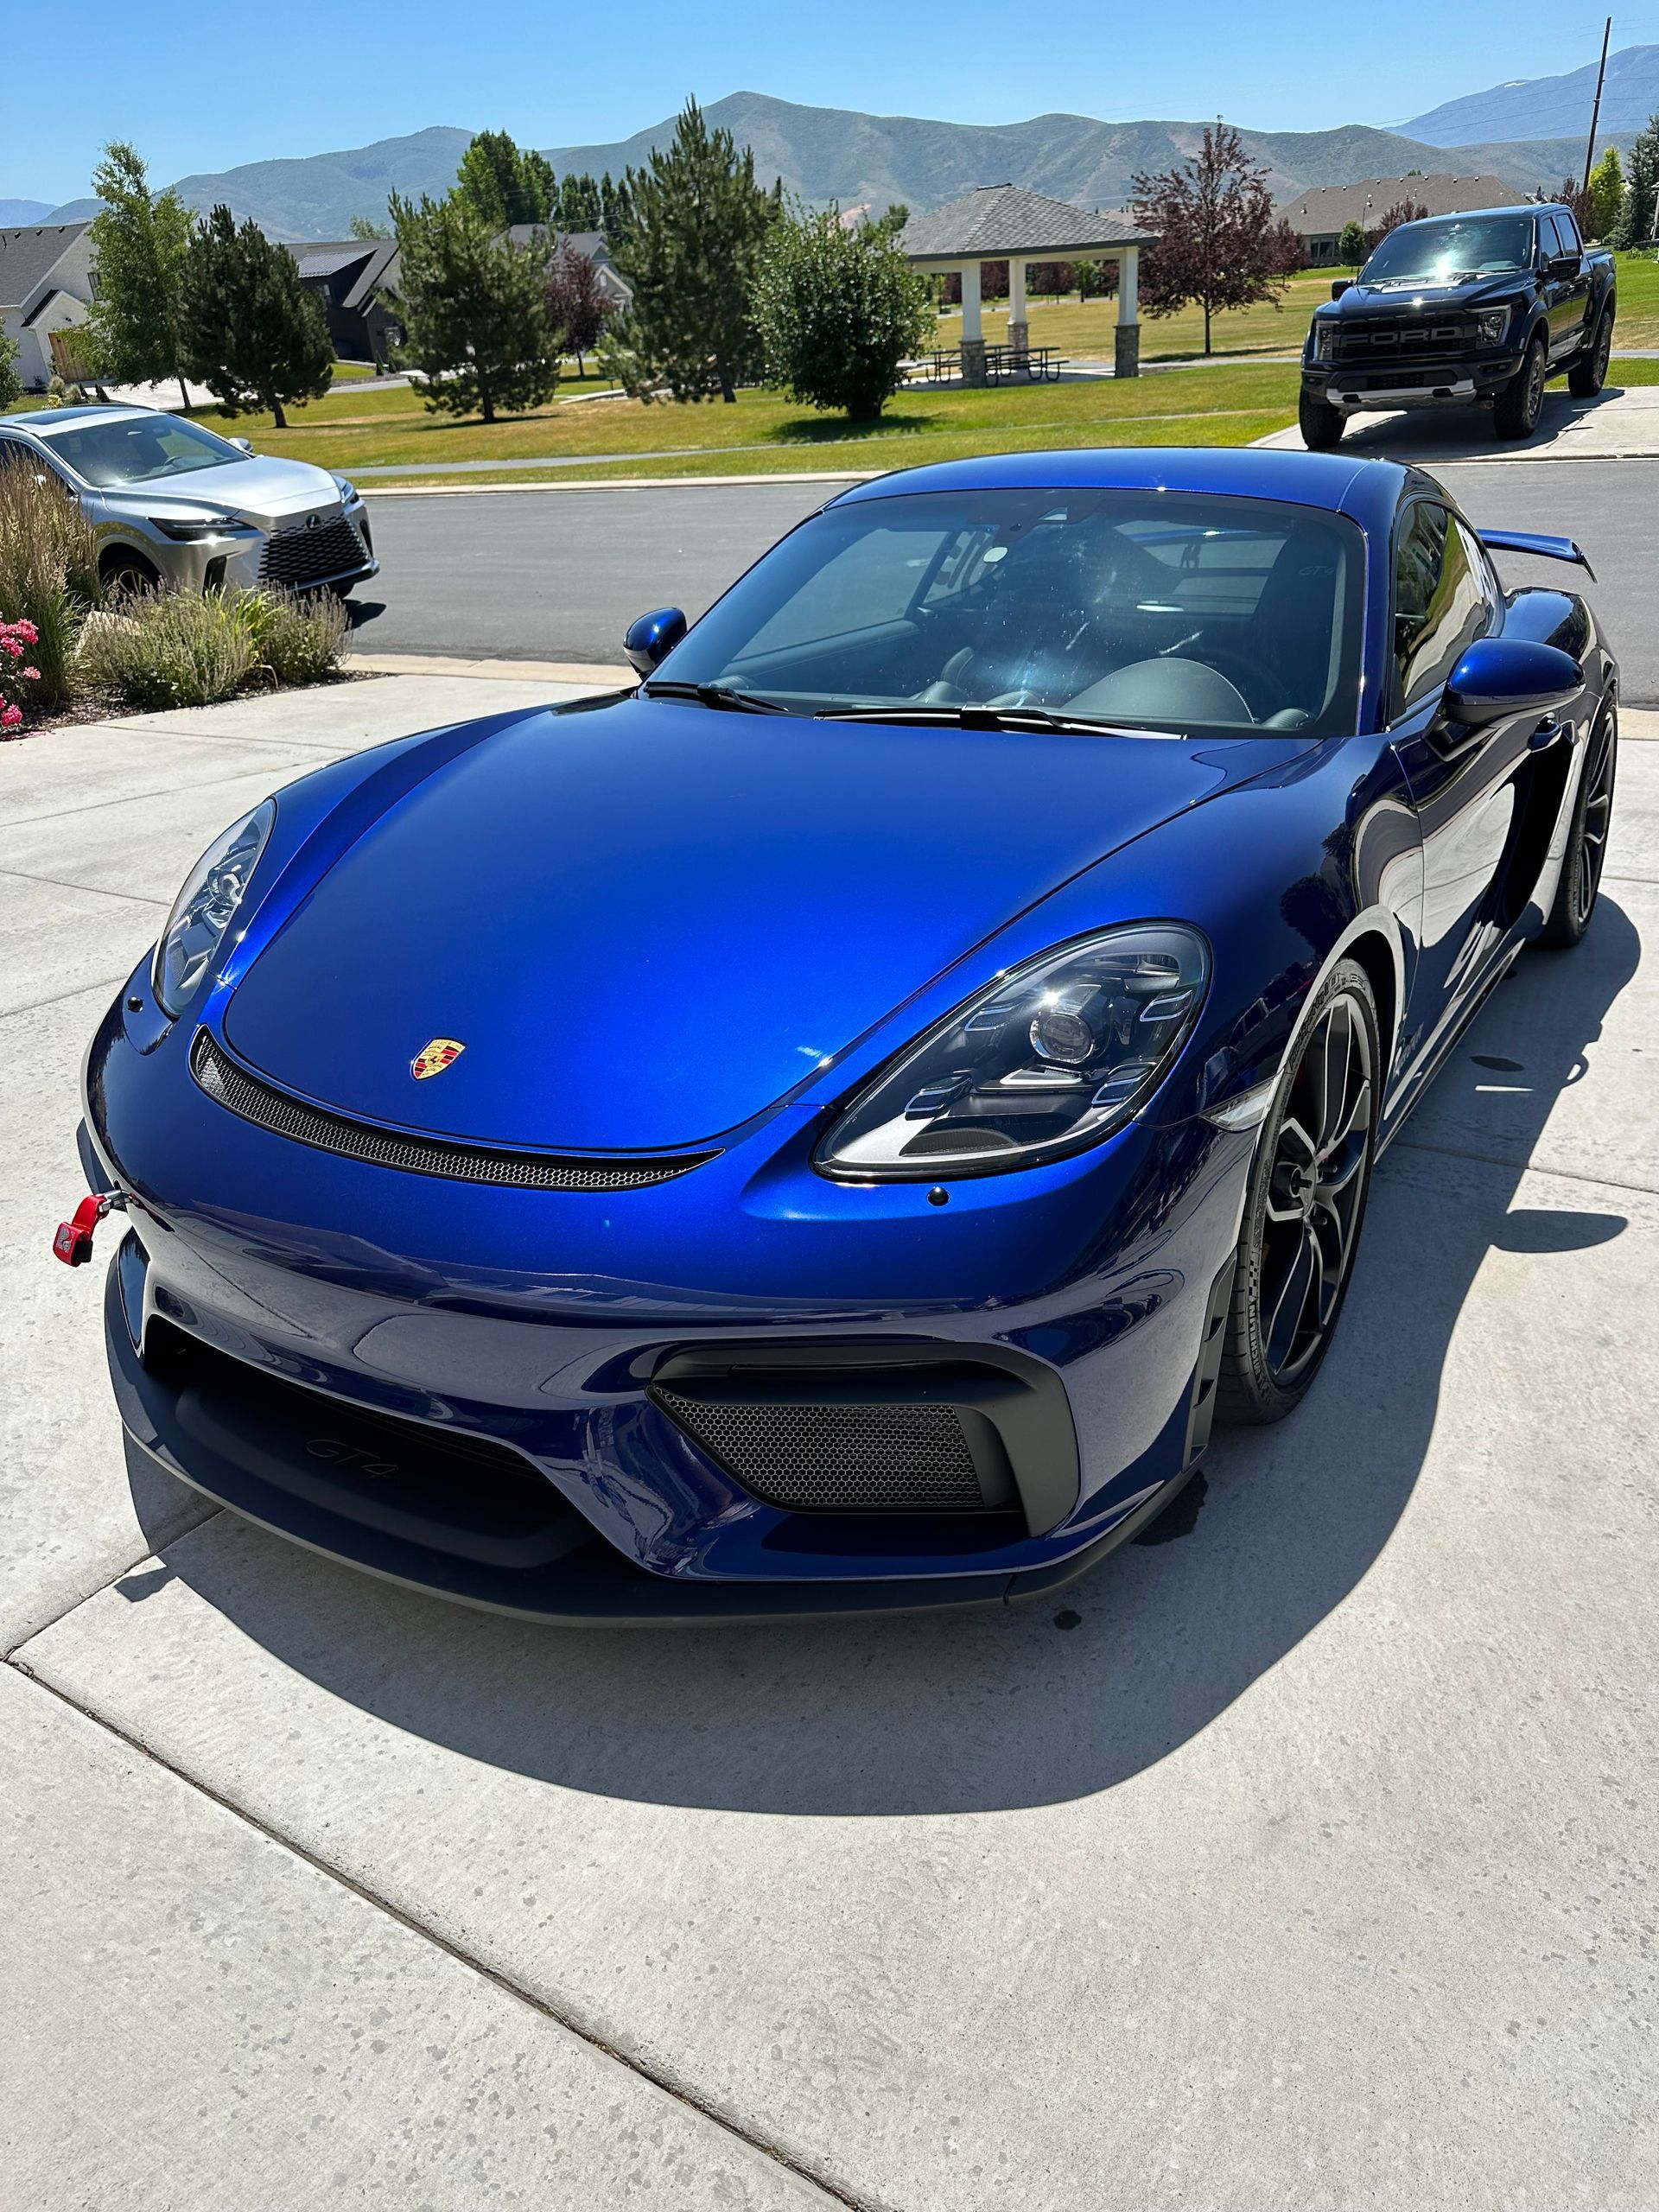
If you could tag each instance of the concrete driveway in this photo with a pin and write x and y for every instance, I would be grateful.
(1621, 424)
(1303, 1857)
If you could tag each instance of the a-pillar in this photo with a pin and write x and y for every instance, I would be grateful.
(1127, 338)
(1018, 328)
(973, 335)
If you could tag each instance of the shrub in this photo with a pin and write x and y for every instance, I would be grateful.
(839, 309)
(170, 649)
(299, 640)
(49, 574)
(17, 676)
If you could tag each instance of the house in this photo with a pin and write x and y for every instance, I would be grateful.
(1320, 216)
(46, 283)
(347, 276)
(612, 282)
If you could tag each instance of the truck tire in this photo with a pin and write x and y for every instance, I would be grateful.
(1589, 371)
(1519, 403)
(1321, 424)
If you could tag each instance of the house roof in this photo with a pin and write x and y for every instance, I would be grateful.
(1328, 207)
(29, 254)
(594, 243)
(321, 258)
(1005, 219)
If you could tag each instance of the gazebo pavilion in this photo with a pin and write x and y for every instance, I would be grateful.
(1004, 222)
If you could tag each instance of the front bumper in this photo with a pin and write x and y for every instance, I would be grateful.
(1408, 382)
(242, 558)
(416, 1305)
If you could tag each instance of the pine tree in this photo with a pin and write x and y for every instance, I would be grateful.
(11, 384)
(1606, 199)
(1639, 217)
(503, 183)
(839, 308)
(140, 240)
(701, 224)
(474, 308)
(615, 212)
(248, 328)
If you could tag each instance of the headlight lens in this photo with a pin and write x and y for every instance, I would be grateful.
(1054, 1056)
(1491, 325)
(185, 527)
(203, 910)
(346, 489)
(1324, 340)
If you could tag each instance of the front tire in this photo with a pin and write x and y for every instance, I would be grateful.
(1321, 424)
(1586, 840)
(1305, 1207)
(1518, 406)
(1589, 372)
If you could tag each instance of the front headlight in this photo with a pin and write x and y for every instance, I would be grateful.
(1324, 340)
(1052, 1057)
(346, 488)
(1490, 325)
(187, 527)
(204, 909)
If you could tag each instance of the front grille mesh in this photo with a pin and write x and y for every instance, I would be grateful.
(288, 1117)
(847, 1459)
(302, 555)
(1366, 341)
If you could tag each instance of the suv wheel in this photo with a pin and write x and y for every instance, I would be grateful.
(124, 571)
(1589, 372)
(1321, 424)
(1518, 406)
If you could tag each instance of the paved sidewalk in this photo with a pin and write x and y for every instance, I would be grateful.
(1302, 1859)
(1621, 424)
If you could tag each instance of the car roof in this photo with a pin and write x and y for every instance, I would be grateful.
(1312, 479)
(40, 416)
(1479, 215)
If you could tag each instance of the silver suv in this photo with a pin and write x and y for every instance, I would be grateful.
(175, 504)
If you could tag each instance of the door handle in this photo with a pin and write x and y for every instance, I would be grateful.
(1548, 733)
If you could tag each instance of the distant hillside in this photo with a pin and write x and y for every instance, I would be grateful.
(825, 154)
(24, 211)
(1548, 107)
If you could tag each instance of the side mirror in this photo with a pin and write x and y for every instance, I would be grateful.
(1339, 285)
(1565, 265)
(244, 445)
(1509, 675)
(653, 637)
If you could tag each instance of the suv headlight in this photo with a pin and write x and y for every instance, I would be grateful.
(1052, 1057)
(346, 488)
(204, 909)
(186, 527)
(1324, 340)
(1491, 325)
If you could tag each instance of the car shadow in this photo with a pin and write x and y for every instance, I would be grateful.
(998, 1711)
(1430, 435)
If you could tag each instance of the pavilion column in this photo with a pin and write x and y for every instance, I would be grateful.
(1018, 328)
(1127, 338)
(973, 335)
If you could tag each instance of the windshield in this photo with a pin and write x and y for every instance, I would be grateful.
(1158, 610)
(138, 449)
(1462, 245)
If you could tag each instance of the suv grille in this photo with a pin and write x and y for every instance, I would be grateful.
(223, 1082)
(845, 1459)
(305, 555)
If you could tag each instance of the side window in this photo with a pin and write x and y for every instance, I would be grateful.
(1567, 231)
(1480, 561)
(1550, 238)
(1441, 602)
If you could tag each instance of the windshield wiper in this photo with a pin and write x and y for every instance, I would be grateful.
(993, 718)
(724, 696)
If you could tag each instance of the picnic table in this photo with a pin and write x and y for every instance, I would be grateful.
(1003, 364)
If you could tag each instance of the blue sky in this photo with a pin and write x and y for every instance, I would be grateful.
(204, 90)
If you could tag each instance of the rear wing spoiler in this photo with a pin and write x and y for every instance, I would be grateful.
(1546, 549)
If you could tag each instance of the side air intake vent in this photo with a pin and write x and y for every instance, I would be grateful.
(837, 1459)
(273, 1109)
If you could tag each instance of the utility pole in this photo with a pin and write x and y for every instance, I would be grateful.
(1595, 112)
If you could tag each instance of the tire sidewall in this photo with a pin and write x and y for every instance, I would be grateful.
(1251, 1394)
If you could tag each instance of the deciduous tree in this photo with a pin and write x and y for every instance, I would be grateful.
(248, 328)
(1606, 195)
(140, 239)
(474, 309)
(701, 224)
(1404, 211)
(1352, 246)
(1215, 221)
(11, 384)
(838, 309)
(576, 305)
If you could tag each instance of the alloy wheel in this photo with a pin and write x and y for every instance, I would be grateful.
(1597, 820)
(1316, 1191)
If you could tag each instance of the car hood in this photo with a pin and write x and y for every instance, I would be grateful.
(647, 922)
(1406, 298)
(260, 490)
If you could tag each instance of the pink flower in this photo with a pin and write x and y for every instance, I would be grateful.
(10, 717)
(29, 675)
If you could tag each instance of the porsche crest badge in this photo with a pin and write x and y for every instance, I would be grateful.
(442, 1053)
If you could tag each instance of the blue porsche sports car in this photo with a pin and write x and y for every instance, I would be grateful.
(830, 1129)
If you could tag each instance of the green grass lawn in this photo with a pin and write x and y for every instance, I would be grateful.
(1085, 329)
(764, 433)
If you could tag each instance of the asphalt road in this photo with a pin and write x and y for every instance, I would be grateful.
(559, 576)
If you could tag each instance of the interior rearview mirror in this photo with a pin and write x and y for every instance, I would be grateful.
(1509, 675)
(652, 636)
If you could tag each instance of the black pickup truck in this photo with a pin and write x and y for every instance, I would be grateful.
(1482, 309)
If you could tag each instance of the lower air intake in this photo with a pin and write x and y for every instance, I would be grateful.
(836, 1458)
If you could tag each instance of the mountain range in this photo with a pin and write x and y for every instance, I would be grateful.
(1544, 107)
(825, 154)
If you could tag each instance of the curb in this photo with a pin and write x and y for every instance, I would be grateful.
(594, 676)
(626, 483)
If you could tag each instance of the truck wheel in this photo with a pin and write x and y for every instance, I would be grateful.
(1518, 406)
(1321, 424)
(1589, 371)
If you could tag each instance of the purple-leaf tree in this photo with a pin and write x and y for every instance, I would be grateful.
(576, 305)
(1219, 245)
